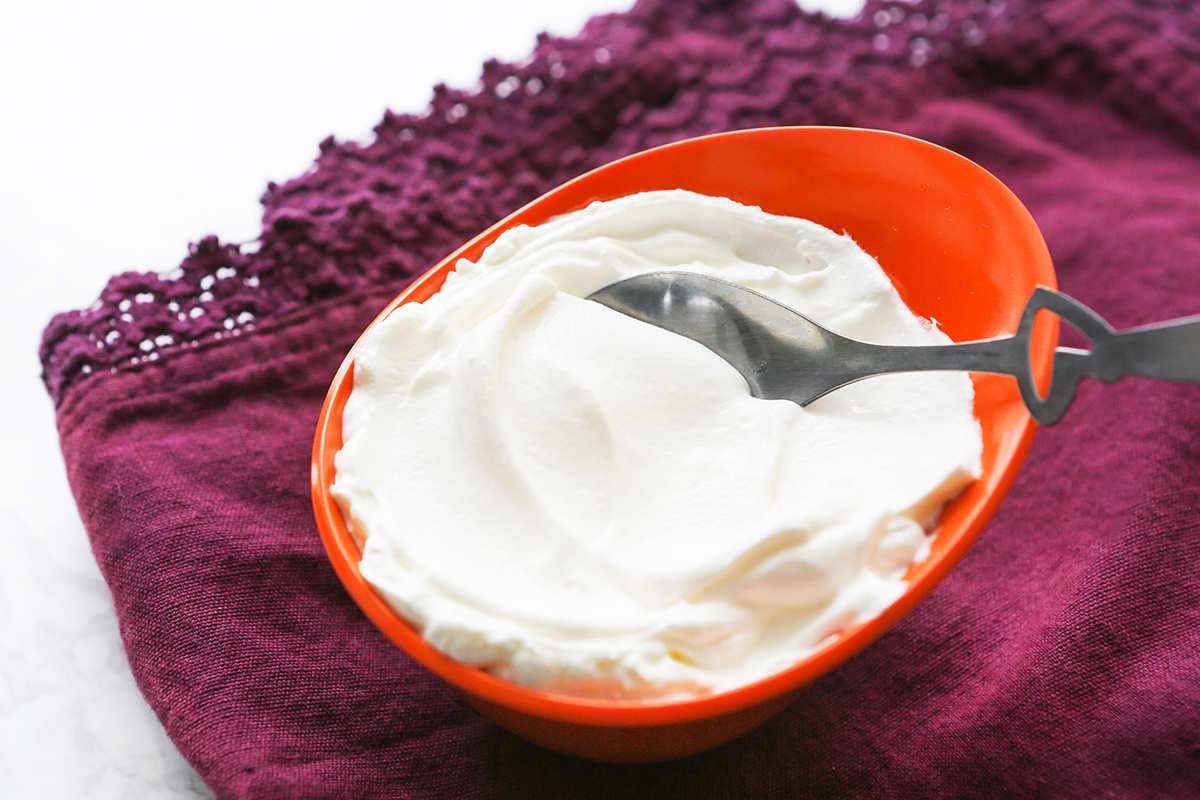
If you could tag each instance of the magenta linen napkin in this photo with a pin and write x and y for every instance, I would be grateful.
(1060, 660)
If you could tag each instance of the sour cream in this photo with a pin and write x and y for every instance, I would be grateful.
(586, 504)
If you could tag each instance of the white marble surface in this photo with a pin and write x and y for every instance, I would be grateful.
(113, 161)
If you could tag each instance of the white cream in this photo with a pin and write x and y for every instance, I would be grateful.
(584, 503)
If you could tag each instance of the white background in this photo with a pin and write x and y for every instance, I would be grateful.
(129, 129)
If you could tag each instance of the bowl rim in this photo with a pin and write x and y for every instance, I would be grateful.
(345, 554)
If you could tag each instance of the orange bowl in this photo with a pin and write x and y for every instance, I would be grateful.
(960, 248)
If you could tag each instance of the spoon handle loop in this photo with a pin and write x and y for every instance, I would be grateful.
(1166, 350)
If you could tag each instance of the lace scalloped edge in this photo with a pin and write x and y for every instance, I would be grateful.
(379, 213)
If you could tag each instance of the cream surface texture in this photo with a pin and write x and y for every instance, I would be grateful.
(583, 503)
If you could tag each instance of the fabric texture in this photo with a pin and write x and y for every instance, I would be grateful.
(1060, 659)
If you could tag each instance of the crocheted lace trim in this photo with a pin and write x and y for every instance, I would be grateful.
(376, 214)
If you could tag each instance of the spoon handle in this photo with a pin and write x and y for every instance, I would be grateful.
(1166, 351)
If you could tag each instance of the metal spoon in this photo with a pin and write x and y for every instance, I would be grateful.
(783, 354)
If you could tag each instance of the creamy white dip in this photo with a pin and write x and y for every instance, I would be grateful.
(583, 503)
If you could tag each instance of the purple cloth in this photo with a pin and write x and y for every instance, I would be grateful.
(1060, 659)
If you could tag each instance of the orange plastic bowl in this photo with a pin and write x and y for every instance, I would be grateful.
(960, 248)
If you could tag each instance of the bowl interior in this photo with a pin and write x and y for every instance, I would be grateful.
(960, 248)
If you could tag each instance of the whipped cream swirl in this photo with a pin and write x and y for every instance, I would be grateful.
(583, 503)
